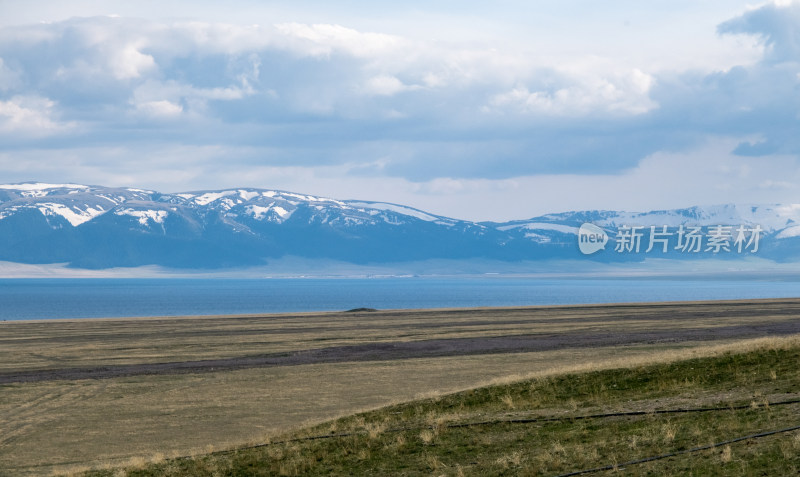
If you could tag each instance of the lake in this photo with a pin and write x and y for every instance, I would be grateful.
(95, 298)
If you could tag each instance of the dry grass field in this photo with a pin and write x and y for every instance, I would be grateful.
(94, 393)
(733, 412)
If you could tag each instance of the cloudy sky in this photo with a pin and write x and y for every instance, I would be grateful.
(476, 110)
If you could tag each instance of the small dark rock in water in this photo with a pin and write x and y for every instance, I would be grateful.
(356, 310)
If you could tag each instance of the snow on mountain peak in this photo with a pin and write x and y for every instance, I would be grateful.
(247, 194)
(210, 197)
(279, 214)
(40, 189)
(567, 229)
(157, 216)
(400, 209)
(73, 215)
(41, 186)
(771, 218)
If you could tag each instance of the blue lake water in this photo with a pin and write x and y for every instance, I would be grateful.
(95, 298)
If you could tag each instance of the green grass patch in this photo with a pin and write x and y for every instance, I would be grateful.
(469, 433)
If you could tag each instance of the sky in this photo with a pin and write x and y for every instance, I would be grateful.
(475, 110)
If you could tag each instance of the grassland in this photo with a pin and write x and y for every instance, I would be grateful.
(108, 393)
(557, 425)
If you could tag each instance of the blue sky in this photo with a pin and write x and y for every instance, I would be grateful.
(474, 110)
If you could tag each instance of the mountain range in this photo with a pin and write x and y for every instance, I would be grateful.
(96, 227)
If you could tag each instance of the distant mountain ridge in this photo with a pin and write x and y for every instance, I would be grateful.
(102, 227)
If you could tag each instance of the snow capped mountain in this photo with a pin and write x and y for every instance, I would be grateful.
(73, 203)
(38, 189)
(101, 227)
(78, 204)
(771, 218)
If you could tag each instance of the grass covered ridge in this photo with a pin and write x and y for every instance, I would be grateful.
(474, 433)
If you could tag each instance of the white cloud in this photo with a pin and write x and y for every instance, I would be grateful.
(774, 25)
(386, 85)
(324, 39)
(582, 93)
(174, 90)
(32, 116)
(171, 98)
(211, 37)
(223, 61)
(321, 104)
(128, 62)
(162, 109)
